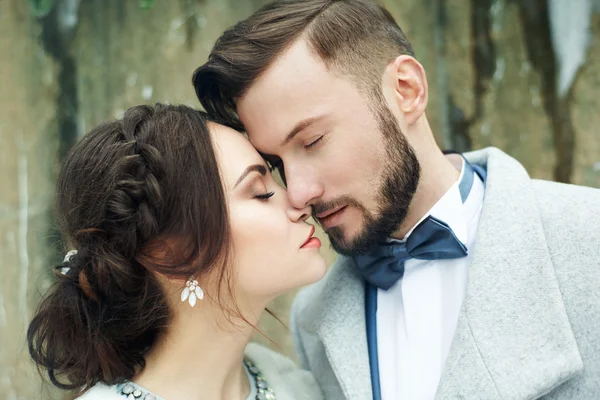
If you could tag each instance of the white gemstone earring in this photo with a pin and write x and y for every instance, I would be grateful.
(191, 292)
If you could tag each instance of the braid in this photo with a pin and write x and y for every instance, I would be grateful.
(133, 208)
(134, 205)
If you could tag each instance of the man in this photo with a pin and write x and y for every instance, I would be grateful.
(459, 278)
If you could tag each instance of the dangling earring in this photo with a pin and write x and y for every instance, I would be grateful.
(191, 292)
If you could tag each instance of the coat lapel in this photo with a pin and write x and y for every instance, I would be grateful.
(513, 338)
(339, 320)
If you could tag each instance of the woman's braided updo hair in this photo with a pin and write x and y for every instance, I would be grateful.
(145, 184)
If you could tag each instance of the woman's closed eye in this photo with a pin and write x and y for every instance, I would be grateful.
(264, 196)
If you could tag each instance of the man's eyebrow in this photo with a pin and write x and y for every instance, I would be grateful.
(300, 126)
(261, 169)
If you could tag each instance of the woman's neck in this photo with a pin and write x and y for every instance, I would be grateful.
(200, 357)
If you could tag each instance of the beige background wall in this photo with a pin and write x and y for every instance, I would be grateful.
(63, 72)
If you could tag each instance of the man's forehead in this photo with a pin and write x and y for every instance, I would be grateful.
(294, 75)
(298, 60)
(282, 97)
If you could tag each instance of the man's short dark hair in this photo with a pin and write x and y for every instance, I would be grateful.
(357, 38)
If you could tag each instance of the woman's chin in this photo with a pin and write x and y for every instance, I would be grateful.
(313, 272)
(321, 271)
(305, 275)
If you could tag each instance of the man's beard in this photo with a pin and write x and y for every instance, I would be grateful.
(398, 185)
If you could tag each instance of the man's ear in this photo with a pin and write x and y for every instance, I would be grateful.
(410, 87)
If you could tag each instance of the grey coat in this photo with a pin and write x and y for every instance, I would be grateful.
(529, 327)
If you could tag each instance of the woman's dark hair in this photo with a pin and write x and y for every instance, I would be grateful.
(136, 197)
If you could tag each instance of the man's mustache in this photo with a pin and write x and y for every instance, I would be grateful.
(324, 206)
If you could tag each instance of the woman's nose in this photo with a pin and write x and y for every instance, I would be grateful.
(299, 214)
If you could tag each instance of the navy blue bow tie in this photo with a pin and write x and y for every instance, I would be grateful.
(432, 239)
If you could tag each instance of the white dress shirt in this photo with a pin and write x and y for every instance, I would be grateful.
(417, 317)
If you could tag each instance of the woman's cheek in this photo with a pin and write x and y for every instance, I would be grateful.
(255, 225)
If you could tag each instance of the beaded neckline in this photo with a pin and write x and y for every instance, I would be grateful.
(263, 392)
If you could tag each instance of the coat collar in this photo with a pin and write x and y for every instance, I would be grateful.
(513, 339)
(336, 313)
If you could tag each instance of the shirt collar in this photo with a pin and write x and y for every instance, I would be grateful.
(449, 208)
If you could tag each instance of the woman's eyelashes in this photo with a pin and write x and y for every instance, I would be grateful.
(264, 196)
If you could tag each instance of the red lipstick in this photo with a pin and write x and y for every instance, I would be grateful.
(311, 242)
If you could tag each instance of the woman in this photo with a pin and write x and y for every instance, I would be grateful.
(182, 237)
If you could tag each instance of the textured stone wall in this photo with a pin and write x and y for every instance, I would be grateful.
(28, 153)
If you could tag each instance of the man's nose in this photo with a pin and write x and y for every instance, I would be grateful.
(302, 189)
